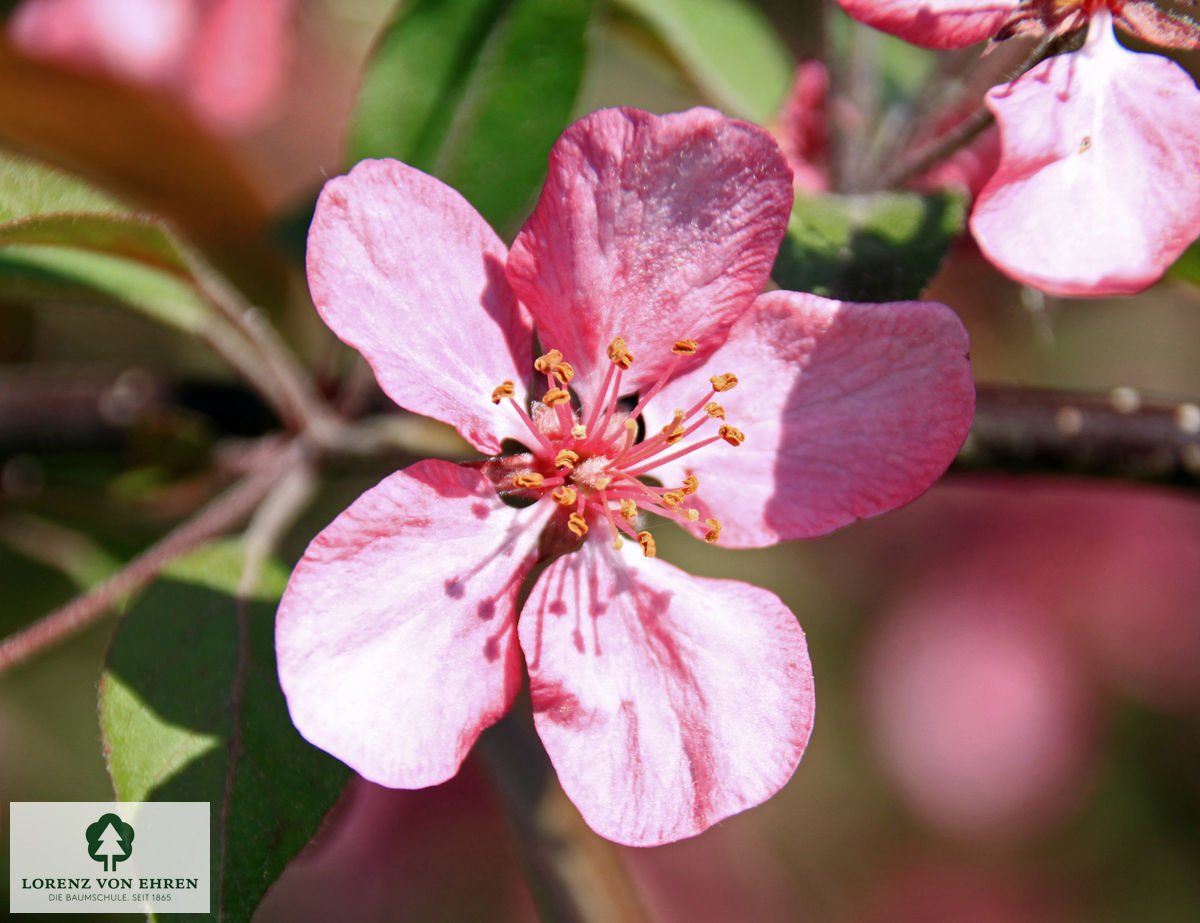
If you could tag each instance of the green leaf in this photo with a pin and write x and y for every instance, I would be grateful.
(728, 49)
(1187, 267)
(191, 710)
(880, 247)
(474, 92)
(62, 238)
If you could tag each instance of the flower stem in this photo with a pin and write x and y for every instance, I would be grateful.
(576, 876)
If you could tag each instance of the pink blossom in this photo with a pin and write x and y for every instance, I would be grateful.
(1097, 191)
(665, 701)
(224, 58)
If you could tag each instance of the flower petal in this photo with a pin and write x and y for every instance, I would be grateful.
(395, 635)
(849, 410)
(238, 61)
(934, 23)
(1097, 191)
(403, 269)
(666, 702)
(651, 228)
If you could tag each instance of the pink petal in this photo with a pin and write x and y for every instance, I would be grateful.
(403, 269)
(238, 60)
(934, 23)
(140, 40)
(1097, 190)
(652, 228)
(666, 702)
(849, 410)
(395, 635)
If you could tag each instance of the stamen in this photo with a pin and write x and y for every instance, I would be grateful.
(693, 514)
(673, 498)
(529, 479)
(566, 459)
(579, 431)
(725, 382)
(646, 540)
(715, 410)
(714, 530)
(563, 372)
(503, 390)
(546, 362)
(731, 434)
(556, 396)
(566, 495)
(577, 524)
(685, 347)
(629, 509)
(618, 352)
(691, 484)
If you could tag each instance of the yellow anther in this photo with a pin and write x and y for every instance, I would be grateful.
(646, 540)
(546, 362)
(602, 483)
(528, 479)
(629, 509)
(577, 524)
(566, 459)
(563, 372)
(673, 431)
(503, 390)
(685, 347)
(672, 498)
(693, 515)
(713, 409)
(731, 434)
(723, 382)
(714, 530)
(691, 484)
(618, 352)
(556, 396)
(579, 431)
(566, 495)
(618, 543)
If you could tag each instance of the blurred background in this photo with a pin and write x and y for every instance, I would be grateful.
(1008, 669)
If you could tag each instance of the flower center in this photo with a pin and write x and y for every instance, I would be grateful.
(591, 463)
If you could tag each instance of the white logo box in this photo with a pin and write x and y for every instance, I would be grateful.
(162, 868)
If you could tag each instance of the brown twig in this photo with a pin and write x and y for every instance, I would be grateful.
(1120, 434)
(219, 516)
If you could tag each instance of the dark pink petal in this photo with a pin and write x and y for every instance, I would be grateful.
(238, 61)
(652, 228)
(666, 702)
(934, 23)
(849, 410)
(1097, 191)
(403, 269)
(395, 637)
(802, 127)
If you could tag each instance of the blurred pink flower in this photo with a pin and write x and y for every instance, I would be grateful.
(225, 58)
(1096, 192)
(981, 710)
(984, 681)
(666, 702)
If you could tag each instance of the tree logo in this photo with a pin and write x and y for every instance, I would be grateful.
(110, 840)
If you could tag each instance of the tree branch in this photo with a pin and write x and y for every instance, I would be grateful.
(219, 516)
(1120, 434)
